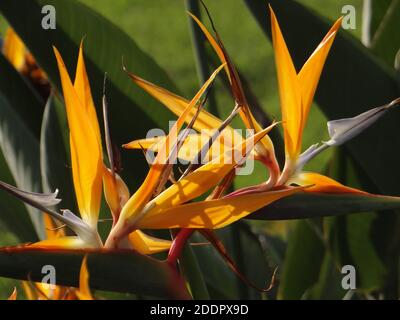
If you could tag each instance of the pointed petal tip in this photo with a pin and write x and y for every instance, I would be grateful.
(270, 8)
(272, 13)
(191, 14)
(55, 50)
(13, 295)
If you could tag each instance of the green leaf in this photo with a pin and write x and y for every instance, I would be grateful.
(221, 282)
(362, 240)
(121, 271)
(353, 82)
(24, 99)
(189, 266)
(132, 112)
(21, 152)
(328, 286)
(313, 204)
(303, 260)
(54, 161)
(244, 247)
(13, 214)
(20, 114)
(353, 242)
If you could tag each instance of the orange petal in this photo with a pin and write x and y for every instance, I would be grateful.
(146, 244)
(212, 214)
(218, 50)
(266, 148)
(320, 183)
(14, 49)
(149, 143)
(207, 176)
(310, 73)
(86, 153)
(289, 91)
(146, 190)
(28, 290)
(115, 190)
(13, 295)
(84, 292)
(60, 243)
(191, 146)
(52, 230)
(177, 105)
(82, 88)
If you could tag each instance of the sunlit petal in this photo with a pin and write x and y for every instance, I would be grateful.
(146, 244)
(14, 49)
(320, 183)
(289, 91)
(265, 148)
(115, 190)
(177, 104)
(13, 295)
(191, 146)
(310, 73)
(82, 88)
(53, 231)
(60, 243)
(143, 194)
(207, 176)
(212, 214)
(86, 154)
(84, 292)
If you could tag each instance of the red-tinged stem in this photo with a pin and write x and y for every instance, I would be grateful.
(177, 246)
(177, 286)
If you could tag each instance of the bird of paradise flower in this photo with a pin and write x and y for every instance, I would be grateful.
(158, 206)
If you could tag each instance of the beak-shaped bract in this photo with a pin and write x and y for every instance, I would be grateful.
(343, 130)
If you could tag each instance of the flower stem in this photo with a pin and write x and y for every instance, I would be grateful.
(182, 253)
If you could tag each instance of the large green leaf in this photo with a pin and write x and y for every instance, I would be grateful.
(132, 112)
(246, 250)
(368, 240)
(303, 260)
(221, 282)
(329, 284)
(20, 126)
(313, 204)
(21, 152)
(352, 82)
(352, 242)
(121, 271)
(54, 161)
(23, 97)
(190, 269)
(14, 216)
